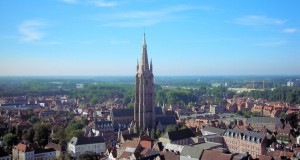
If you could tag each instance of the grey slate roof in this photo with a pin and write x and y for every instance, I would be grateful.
(218, 131)
(130, 112)
(38, 151)
(166, 120)
(130, 136)
(250, 136)
(193, 152)
(122, 112)
(158, 111)
(86, 140)
(207, 145)
(179, 135)
(263, 120)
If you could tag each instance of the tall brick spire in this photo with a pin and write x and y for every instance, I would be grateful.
(144, 61)
(144, 106)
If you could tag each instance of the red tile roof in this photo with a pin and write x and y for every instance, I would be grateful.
(23, 148)
(129, 143)
(263, 157)
(278, 154)
(146, 144)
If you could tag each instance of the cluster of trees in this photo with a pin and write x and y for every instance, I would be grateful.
(9, 140)
(188, 96)
(63, 135)
(29, 88)
(89, 156)
(292, 119)
(40, 133)
(248, 114)
(286, 94)
(176, 96)
(98, 93)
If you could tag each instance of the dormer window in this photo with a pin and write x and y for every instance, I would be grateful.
(259, 140)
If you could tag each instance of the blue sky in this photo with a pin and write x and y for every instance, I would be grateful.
(102, 37)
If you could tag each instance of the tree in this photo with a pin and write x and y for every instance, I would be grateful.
(41, 134)
(85, 121)
(172, 128)
(158, 133)
(183, 127)
(74, 129)
(130, 105)
(282, 115)
(70, 115)
(247, 114)
(74, 133)
(88, 156)
(94, 100)
(59, 135)
(9, 140)
(66, 157)
(153, 134)
(34, 119)
(292, 119)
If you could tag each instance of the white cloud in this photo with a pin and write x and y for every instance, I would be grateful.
(134, 23)
(48, 43)
(145, 18)
(157, 13)
(291, 30)
(254, 20)
(102, 3)
(71, 1)
(30, 30)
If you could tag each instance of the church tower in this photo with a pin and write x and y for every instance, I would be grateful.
(144, 106)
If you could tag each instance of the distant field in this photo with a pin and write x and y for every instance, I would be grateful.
(243, 89)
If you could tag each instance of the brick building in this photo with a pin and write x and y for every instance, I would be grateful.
(259, 123)
(241, 141)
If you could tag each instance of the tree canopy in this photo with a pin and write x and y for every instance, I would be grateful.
(9, 140)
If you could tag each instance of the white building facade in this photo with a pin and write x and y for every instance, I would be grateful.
(80, 145)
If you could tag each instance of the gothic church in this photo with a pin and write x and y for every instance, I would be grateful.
(144, 107)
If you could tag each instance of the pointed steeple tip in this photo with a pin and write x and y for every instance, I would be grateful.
(151, 68)
(144, 40)
(144, 60)
(137, 64)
